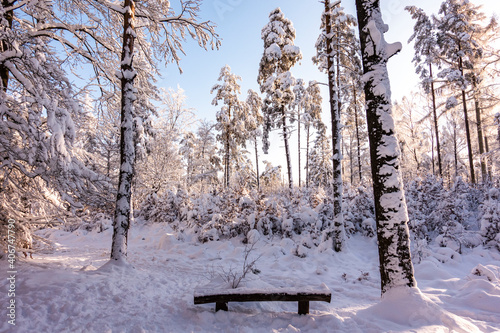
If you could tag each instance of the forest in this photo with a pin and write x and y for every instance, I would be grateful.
(91, 145)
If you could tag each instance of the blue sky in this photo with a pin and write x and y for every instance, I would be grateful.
(239, 24)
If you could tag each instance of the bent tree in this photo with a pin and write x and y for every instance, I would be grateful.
(396, 268)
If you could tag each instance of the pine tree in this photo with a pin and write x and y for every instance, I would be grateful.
(299, 103)
(311, 117)
(275, 78)
(255, 121)
(320, 167)
(424, 35)
(230, 122)
(457, 40)
(396, 268)
(328, 58)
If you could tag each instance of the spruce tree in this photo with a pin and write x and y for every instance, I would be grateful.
(276, 80)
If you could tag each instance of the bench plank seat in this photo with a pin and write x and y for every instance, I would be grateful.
(302, 296)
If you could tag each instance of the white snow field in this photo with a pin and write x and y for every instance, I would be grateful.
(70, 288)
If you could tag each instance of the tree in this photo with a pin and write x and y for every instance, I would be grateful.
(165, 32)
(207, 162)
(457, 30)
(230, 120)
(320, 167)
(413, 137)
(254, 103)
(275, 78)
(327, 56)
(300, 103)
(424, 35)
(39, 109)
(311, 116)
(396, 268)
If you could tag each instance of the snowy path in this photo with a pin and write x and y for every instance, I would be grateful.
(64, 292)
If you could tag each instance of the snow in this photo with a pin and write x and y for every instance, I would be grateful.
(72, 287)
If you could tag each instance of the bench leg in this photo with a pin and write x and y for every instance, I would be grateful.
(303, 307)
(220, 306)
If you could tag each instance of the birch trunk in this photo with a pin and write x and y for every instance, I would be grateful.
(396, 268)
(338, 220)
(121, 221)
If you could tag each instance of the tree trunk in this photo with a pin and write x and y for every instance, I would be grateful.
(298, 143)
(226, 161)
(396, 268)
(467, 129)
(488, 161)
(357, 132)
(484, 173)
(436, 128)
(307, 155)
(338, 220)
(8, 16)
(257, 164)
(351, 159)
(455, 149)
(121, 221)
(287, 148)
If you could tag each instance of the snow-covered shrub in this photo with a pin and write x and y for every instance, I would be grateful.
(422, 198)
(157, 209)
(269, 219)
(325, 218)
(447, 217)
(490, 220)
(359, 212)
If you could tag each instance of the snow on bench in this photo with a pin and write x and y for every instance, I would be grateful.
(302, 295)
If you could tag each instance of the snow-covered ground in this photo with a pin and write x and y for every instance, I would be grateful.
(69, 288)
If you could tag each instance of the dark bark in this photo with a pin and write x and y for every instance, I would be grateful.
(480, 139)
(338, 223)
(8, 16)
(396, 268)
(455, 150)
(467, 127)
(121, 223)
(436, 128)
(358, 139)
(257, 164)
(307, 155)
(298, 143)
(287, 148)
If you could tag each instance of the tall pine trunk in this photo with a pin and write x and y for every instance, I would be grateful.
(257, 164)
(121, 221)
(467, 127)
(436, 128)
(338, 219)
(307, 155)
(298, 144)
(396, 268)
(480, 137)
(358, 139)
(287, 148)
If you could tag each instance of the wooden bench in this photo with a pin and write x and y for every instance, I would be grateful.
(303, 296)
